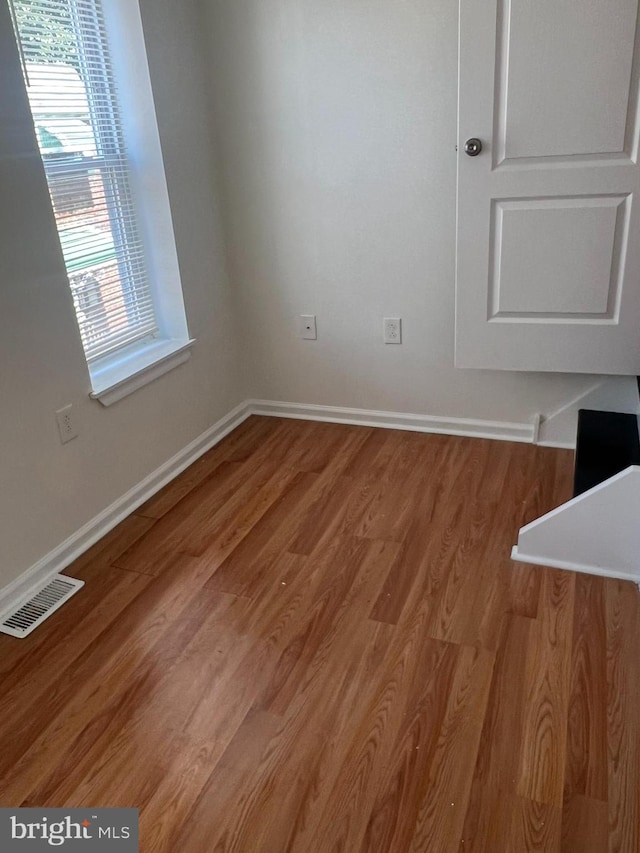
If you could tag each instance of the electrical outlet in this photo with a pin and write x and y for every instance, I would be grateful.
(66, 425)
(307, 327)
(392, 327)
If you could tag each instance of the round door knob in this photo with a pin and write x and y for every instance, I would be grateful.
(473, 147)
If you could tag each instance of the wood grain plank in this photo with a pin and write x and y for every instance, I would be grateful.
(476, 589)
(623, 720)
(443, 806)
(237, 517)
(586, 769)
(391, 514)
(544, 746)
(408, 668)
(236, 447)
(346, 597)
(274, 794)
(107, 550)
(173, 799)
(497, 818)
(535, 827)
(329, 497)
(212, 821)
(80, 695)
(196, 520)
(323, 446)
(240, 571)
(510, 822)
(144, 725)
(279, 666)
(317, 773)
(48, 662)
(497, 766)
(585, 825)
(100, 581)
(548, 483)
(524, 590)
(374, 455)
(170, 535)
(430, 541)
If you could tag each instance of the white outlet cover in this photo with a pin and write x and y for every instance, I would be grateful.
(66, 426)
(307, 328)
(392, 330)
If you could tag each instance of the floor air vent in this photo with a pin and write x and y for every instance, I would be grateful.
(32, 612)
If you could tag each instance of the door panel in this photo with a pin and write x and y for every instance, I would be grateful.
(564, 90)
(548, 255)
(556, 257)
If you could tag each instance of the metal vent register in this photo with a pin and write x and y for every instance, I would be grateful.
(33, 611)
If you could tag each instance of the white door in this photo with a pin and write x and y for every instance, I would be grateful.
(548, 254)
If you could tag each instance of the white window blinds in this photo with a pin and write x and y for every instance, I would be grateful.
(73, 101)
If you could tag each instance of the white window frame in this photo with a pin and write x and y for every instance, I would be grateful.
(125, 370)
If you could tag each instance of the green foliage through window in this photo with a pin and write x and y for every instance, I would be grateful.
(47, 38)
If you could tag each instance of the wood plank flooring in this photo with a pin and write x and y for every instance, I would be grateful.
(314, 640)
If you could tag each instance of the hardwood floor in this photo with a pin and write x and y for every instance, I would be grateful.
(314, 640)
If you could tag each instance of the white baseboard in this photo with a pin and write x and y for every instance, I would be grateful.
(609, 393)
(473, 428)
(72, 548)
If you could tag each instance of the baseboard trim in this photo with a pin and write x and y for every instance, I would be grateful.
(610, 393)
(558, 445)
(565, 565)
(472, 428)
(79, 542)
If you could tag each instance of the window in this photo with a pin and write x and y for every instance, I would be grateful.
(74, 98)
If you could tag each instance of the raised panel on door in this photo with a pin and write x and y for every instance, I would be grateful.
(548, 243)
(557, 258)
(555, 64)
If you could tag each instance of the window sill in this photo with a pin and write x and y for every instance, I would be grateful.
(119, 376)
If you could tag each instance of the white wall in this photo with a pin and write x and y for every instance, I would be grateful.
(48, 490)
(336, 124)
